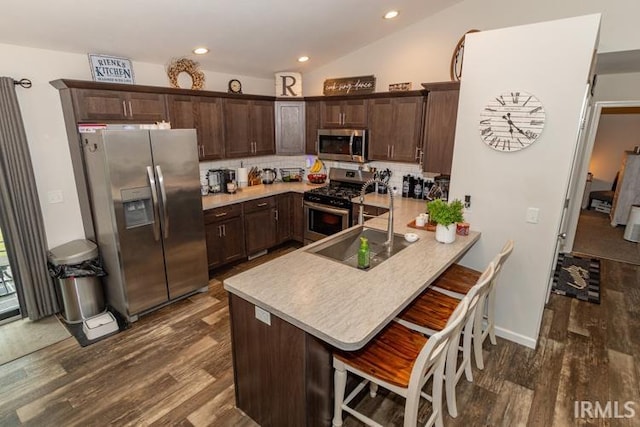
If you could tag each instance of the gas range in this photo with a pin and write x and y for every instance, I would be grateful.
(345, 185)
(327, 210)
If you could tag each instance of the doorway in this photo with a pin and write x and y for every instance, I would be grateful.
(613, 126)
(9, 306)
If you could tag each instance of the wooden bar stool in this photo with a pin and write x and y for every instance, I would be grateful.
(457, 280)
(399, 360)
(429, 313)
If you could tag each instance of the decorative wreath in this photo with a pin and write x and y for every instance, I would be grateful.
(185, 65)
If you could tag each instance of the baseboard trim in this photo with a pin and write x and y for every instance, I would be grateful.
(516, 338)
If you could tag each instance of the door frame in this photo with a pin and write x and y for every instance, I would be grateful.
(594, 122)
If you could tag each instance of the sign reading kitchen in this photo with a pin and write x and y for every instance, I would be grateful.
(350, 85)
(111, 69)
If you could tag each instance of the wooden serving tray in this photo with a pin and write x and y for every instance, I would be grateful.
(427, 227)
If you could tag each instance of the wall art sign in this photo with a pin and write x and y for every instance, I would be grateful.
(111, 69)
(349, 85)
(288, 85)
(400, 87)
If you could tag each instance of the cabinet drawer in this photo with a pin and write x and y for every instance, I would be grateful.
(222, 213)
(263, 203)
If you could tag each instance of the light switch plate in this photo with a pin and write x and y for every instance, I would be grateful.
(532, 215)
(263, 315)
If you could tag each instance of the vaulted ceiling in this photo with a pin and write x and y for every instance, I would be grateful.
(250, 37)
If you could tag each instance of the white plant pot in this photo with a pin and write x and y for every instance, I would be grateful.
(446, 234)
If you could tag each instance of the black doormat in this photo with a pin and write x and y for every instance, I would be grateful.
(75, 329)
(577, 277)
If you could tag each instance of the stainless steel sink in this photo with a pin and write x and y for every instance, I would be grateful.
(344, 248)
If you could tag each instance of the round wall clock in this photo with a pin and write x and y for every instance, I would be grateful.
(455, 70)
(512, 121)
(235, 86)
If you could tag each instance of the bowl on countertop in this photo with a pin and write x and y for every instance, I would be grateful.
(317, 178)
(411, 237)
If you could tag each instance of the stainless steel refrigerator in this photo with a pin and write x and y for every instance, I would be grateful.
(147, 212)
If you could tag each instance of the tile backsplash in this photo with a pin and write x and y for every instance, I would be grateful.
(398, 170)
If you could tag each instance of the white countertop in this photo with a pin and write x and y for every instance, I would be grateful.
(341, 305)
(255, 192)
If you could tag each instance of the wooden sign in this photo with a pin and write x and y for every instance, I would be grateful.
(288, 85)
(400, 87)
(350, 85)
(111, 69)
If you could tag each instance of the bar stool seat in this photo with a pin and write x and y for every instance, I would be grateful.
(390, 356)
(458, 279)
(431, 309)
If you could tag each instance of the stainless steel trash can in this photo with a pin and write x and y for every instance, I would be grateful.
(82, 297)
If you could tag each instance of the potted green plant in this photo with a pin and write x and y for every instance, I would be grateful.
(445, 215)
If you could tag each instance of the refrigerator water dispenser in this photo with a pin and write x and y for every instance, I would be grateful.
(137, 205)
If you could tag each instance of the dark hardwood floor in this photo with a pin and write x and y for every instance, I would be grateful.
(173, 367)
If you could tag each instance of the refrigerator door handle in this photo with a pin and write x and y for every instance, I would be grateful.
(154, 198)
(165, 209)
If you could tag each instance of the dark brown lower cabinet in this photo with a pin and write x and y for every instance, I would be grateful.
(260, 224)
(284, 225)
(297, 217)
(225, 235)
(283, 375)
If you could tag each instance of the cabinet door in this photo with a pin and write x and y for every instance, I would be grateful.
(407, 126)
(181, 112)
(233, 240)
(118, 106)
(439, 131)
(284, 217)
(312, 124)
(380, 128)
(290, 127)
(237, 134)
(354, 113)
(215, 244)
(331, 114)
(260, 230)
(263, 126)
(98, 105)
(297, 217)
(146, 107)
(210, 128)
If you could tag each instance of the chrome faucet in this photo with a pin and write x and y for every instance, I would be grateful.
(389, 242)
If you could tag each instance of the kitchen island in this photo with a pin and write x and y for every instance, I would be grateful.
(289, 314)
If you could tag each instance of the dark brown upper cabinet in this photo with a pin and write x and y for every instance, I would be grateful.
(93, 105)
(249, 128)
(395, 126)
(312, 124)
(205, 115)
(440, 126)
(350, 113)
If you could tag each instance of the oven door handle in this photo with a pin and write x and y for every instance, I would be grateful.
(325, 208)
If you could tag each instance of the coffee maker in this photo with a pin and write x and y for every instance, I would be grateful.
(215, 179)
(229, 177)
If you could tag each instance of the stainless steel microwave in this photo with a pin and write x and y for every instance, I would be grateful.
(347, 145)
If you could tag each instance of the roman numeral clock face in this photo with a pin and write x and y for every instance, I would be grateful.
(512, 121)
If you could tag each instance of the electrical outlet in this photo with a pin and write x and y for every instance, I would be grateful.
(263, 315)
(55, 196)
(467, 201)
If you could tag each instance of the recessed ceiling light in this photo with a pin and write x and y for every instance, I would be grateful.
(303, 59)
(200, 50)
(391, 14)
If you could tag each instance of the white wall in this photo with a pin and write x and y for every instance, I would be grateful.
(616, 133)
(617, 87)
(44, 124)
(504, 185)
(421, 52)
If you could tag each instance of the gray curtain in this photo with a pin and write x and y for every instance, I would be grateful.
(20, 214)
